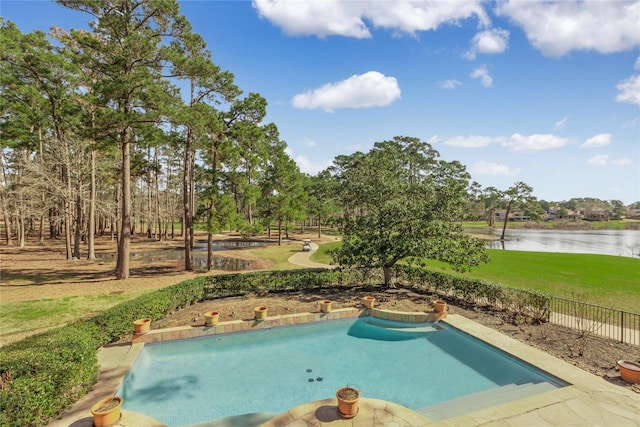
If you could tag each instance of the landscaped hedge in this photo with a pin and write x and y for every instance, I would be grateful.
(43, 375)
(276, 281)
(530, 303)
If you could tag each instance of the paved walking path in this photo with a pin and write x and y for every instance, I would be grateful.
(303, 259)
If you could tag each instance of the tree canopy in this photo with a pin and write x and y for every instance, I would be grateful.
(399, 200)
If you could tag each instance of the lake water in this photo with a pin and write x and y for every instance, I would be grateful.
(605, 242)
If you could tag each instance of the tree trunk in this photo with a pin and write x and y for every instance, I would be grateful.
(506, 217)
(158, 219)
(279, 233)
(209, 251)
(387, 275)
(149, 186)
(186, 203)
(78, 225)
(43, 196)
(3, 201)
(67, 210)
(91, 251)
(124, 235)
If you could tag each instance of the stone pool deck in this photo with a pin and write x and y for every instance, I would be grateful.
(588, 400)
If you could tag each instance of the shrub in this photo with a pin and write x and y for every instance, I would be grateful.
(530, 303)
(43, 375)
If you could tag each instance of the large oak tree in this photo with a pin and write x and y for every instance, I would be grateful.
(399, 200)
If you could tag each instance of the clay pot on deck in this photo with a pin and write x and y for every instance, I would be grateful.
(629, 371)
(141, 326)
(107, 411)
(211, 318)
(325, 306)
(260, 313)
(348, 398)
(439, 306)
(368, 301)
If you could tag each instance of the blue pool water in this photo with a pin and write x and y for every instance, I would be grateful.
(273, 370)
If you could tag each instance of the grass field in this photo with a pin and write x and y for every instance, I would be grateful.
(597, 279)
(278, 254)
(41, 314)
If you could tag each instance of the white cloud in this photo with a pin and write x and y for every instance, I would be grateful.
(493, 169)
(560, 124)
(597, 141)
(558, 27)
(636, 66)
(603, 160)
(469, 141)
(311, 167)
(449, 84)
(482, 73)
(348, 18)
(631, 123)
(622, 161)
(489, 42)
(536, 142)
(371, 89)
(599, 160)
(629, 90)
(320, 18)
(309, 143)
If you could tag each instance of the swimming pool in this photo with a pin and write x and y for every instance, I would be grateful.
(272, 370)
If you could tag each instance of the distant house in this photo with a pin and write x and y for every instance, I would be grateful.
(597, 216)
(633, 213)
(499, 215)
(557, 212)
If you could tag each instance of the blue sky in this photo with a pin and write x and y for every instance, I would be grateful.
(542, 92)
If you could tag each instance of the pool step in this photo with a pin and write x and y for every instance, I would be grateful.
(483, 399)
(246, 420)
(393, 326)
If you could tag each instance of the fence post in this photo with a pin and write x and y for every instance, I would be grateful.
(621, 325)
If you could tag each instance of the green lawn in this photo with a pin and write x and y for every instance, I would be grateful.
(279, 254)
(47, 313)
(606, 280)
(597, 279)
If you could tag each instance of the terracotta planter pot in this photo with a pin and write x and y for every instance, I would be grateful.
(368, 302)
(325, 306)
(211, 318)
(260, 313)
(439, 306)
(348, 399)
(629, 371)
(142, 326)
(106, 412)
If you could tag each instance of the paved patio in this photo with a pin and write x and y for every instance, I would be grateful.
(588, 401)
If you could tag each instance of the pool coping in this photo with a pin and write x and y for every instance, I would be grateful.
(234, 326)
(587, 399)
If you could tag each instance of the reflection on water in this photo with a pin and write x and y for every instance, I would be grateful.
(605, 242)
(219, 263)
(199, 255)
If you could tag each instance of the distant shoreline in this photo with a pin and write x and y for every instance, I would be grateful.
(560, 225)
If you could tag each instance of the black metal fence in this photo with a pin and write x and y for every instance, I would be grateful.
(619, 325)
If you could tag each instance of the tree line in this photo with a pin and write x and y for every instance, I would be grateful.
(132, 128)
